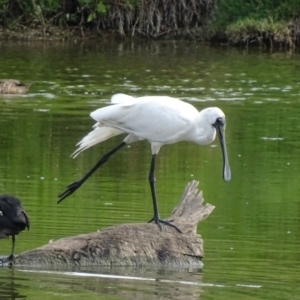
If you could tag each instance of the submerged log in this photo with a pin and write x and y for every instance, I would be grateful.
(141, 244)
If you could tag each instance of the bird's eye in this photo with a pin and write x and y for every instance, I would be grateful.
(219, 122)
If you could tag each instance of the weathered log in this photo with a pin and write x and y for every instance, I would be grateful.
(133, 244)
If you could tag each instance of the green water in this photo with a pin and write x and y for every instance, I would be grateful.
(252, 237)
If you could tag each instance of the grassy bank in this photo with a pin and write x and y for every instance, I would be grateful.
(270, 23)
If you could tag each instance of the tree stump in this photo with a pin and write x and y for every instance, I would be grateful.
(140, 244)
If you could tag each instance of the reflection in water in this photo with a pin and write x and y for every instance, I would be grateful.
(129, 287)
(10, 286)
(142, 285)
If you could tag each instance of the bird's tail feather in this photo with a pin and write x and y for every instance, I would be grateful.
(98, 135)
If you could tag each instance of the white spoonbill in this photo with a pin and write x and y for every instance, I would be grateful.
(160, 120)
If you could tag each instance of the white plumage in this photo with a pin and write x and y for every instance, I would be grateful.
(160, 120)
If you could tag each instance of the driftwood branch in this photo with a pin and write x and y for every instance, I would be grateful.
(133, 244)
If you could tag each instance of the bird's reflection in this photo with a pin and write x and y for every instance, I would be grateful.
(11, 286)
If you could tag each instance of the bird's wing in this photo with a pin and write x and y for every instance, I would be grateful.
(27, 221)
(124, 99)
(20, 217)
(156, 118)
(12, 211)
(99, 134)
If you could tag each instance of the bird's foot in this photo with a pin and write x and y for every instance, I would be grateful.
(71, 188)
(7, 260)
(11, 258)
(158, 221)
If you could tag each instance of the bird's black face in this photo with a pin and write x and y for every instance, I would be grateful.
(219, 122)
(220, 128)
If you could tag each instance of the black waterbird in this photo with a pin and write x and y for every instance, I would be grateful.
(13, 220)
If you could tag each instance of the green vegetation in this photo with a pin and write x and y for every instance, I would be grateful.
(264, 32)
(232, 11)
(120, 17)
(54, 12)
(268, 23)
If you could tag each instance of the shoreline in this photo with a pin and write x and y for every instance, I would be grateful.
(243, 35)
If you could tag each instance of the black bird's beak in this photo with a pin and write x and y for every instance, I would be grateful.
(220, 128)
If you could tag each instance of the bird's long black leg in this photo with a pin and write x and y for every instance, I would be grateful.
(13, 238)
(11, 257)
(156, 218)
(153, 192)
(71, 188)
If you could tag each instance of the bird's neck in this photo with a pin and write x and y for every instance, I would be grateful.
(205, 133)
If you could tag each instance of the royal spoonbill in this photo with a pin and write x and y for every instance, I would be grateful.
(160, 120)
(13, 220)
